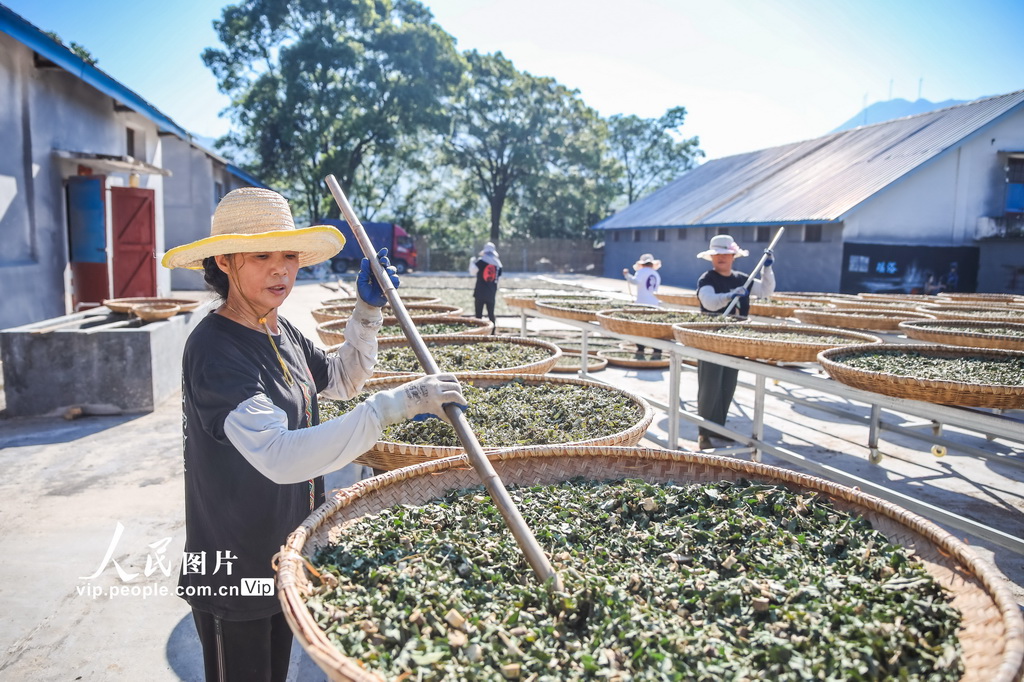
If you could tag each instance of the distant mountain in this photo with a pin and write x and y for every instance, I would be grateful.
(894, 108)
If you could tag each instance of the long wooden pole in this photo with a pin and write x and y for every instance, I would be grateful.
(755, 271)
(492, 482)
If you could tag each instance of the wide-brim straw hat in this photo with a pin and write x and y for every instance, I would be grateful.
(255, 220)
(723, 244)
(647, 259)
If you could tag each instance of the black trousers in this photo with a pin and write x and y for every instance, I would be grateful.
(244, 650)
(480, 303)
(716, 386)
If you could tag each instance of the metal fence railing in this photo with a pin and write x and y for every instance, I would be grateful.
(518, 255)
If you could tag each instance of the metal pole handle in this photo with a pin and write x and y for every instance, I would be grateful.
(755, 271)
(492, 482)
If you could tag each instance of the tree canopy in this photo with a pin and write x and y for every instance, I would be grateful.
(652, 151)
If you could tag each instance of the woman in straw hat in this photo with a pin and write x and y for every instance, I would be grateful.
(255, 451)
(716, 289)
(486, 267)
(647, 281)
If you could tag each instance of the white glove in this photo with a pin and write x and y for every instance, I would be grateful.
(737, 292)
(426, 395)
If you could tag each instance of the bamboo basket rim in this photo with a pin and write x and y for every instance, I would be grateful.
(530, 300)
(688, 300)
(393, 455)
(537, 367)
(886, 319)
(124, 305)
(546, 305)
(657, 330)
(979, 296)
(973, 312)
(633, 363)
(595, 363)
(151, 312)
(322, 315)
(871, 296)
(770, 310)
(702, 335)
(922, 330)
(334, 337)
(992, 634)
(956, 393)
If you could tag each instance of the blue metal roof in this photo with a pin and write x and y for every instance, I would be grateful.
(241, 174)
(21, 30)
(814, 181)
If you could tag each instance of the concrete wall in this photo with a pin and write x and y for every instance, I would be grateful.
(800, 265)
(1003, 266)
(42, 110)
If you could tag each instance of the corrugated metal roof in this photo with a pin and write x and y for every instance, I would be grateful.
(817, 180)
(19, 29)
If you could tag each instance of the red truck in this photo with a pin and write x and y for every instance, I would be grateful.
(401, 249)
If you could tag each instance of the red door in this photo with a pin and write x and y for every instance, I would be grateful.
(134, 232)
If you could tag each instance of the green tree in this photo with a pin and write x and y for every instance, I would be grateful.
(515, 133)
(324, 87)
(652, 151)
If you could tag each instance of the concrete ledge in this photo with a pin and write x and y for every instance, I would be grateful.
(95, 362)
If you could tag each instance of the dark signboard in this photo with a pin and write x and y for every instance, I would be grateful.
(895, 269)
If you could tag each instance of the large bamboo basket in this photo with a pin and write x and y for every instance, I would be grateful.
(960, 297)
(991, 313)
(685, 300)
(878, 319)
(654, 330)
(389, 455)
(776, 309)
(434, 340)
(703, 336)
(620, 357)
(897, 298)
(573, 310)
(333, 333)
(992, 636)
(595, 363)
(928, 390)
(344, 311)
(522, 300)
(965, 333)
(351, 300)
(125, 305)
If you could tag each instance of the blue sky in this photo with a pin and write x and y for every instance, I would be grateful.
(751, 73)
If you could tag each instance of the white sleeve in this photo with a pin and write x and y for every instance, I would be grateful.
(764, 287)
(712, 301)
(352, 364)
(259, 430)
(473, 269)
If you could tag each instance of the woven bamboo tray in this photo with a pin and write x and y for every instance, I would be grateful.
(685, 300)
(595, 363)
(344, 311)
(350, 300)
(927, 390)
(771, 309)
(151, 312)
(965, 333)
(333, 333)
(434, 340)
(704, 337)
(530, 300)
(959, 297)
(879, 319)
(124, 305)
(897, 298)
(654, 330)
(623, 358)
(572, 311)
(993, 629)
(389, 455)
(991, 313)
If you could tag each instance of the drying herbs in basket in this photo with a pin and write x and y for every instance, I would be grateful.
(470, 357)
(517, 413)
(965, 368)
(662, 316)
(995, 329)
(727, 580)
(425, 328)
(752, 332)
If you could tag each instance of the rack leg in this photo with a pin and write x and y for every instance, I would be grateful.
(937, 450)
(674, 370)
(758, 415)
(874, 428)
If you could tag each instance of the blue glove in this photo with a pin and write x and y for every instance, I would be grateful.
(770, 259)
(366, 284)
(737, 292)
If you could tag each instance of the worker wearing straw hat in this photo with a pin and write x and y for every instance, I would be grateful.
(647, 281)
(255, 451)
(486, 267)
(716, 289)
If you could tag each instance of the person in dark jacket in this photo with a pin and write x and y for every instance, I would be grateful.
(486, 267)
(716, 289)
(255, 451)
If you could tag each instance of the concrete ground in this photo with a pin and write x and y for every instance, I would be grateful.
(92, 521)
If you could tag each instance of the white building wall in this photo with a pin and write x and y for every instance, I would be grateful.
(42, 110)
(939, 204)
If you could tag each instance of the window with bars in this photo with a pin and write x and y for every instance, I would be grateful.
(659, 235)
